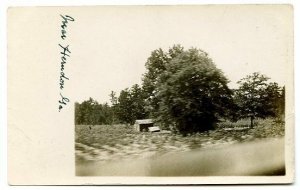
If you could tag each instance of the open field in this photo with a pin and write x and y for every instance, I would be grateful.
(105, 144)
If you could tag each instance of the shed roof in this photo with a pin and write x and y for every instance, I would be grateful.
(144, 121)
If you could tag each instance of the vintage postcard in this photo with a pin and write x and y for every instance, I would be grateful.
(129, 95)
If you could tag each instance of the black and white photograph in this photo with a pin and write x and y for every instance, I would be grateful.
(185, 91)
(150, 94)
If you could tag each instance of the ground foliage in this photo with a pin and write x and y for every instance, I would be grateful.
(119, 142)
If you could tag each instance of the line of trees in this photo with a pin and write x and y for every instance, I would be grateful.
(185, 89)
(125, 108)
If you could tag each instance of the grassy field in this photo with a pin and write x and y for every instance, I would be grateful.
(105, 143)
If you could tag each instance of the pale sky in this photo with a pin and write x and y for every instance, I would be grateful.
(112, 44)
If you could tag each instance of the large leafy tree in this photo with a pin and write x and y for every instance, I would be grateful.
(192, 92)
(256, 97)
(156, 64)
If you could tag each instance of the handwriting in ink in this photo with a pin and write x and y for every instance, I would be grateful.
(65, 52)
(62, 102)
(64, 25)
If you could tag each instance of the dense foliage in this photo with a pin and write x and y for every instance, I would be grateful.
(256, 97)
(155, 66)
(184, 89)
(90, 112)
(129, 106)
(193, 93)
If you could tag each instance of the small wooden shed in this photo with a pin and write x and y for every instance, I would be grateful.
(143, 125)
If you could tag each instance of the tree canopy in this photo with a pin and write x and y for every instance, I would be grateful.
(193, 92)
(90, 112)
(256, 97)
(184, 89)
(156, 64)
(131, 105)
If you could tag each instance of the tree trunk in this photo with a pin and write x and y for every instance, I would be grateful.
(252, 118)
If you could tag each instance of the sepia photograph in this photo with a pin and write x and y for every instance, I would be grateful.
(186, 91)
(150, 94)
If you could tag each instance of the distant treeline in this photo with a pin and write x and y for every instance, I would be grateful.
(185, 89)
(126, 108)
